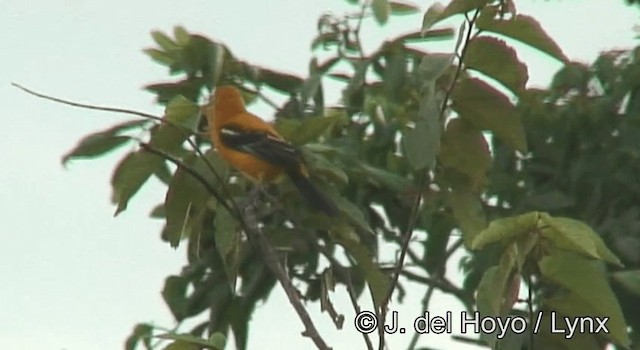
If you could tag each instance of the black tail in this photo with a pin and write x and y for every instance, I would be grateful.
(316, 199)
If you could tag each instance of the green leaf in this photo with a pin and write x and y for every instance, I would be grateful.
(381, 177)
(403, 8)
(322, 166)
(465, 149)
(185, 197)
(352, 212)
(434, 65)
(492, 291)
(578, 237)
(494, 58)
(283, 82)
(378, 282)
(227, 238)
(214, 342)
(158, 212)
(507, 229)
(101, 142)
(586, 280)
(487, 109)
(190, 88)
(381, 10)
(218, 340)
(184, 112)
(160, 56)
(549, 201)
(432, 16)
(437, 13)
(181, 345)
(174, 294)
(629, 280)
(130, 174)
(522, 28)
(182, 36)
(95, 145)
(421, 143)
(166, 43)
(467, 209)
(547, 340)
(303, 131)
(418, 143)
(141, 332)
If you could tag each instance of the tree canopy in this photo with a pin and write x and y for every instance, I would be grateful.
(538, 186)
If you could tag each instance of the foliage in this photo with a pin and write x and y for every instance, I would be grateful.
(538, 185)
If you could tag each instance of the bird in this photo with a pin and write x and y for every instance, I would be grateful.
(252, 146)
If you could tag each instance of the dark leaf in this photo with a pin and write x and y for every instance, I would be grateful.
(142, 332)
(174, 294)
(465, 149)
(381, 10)
(487, 109)
(228, 243)
(101, 142)
(494, 58)
(403, 8)
(522, 28)
(185, 199)
(130, 174)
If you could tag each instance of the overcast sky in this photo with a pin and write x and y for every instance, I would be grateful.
(72, 276)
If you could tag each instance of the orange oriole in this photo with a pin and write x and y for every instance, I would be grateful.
(252, 146)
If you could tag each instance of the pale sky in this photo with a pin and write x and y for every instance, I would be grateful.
(74, 277)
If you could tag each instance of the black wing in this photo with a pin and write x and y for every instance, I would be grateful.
(263, 145)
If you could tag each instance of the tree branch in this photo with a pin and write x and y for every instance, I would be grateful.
(269, 257)
(418, 200)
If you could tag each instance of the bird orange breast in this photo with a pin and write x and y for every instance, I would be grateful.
(256, 169)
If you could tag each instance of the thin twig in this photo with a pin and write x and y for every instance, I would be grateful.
(180, 164)
(356, 32)
(345, 275)
(88, 106)
(248, 221)
(443, 285)
(187, 133)
(396, 274)
(418, 200)
(447, 96)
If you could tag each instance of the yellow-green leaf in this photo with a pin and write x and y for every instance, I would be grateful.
(592, 295)
(507, 229)
(166, 43)
(577, 236)
(184, 112)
